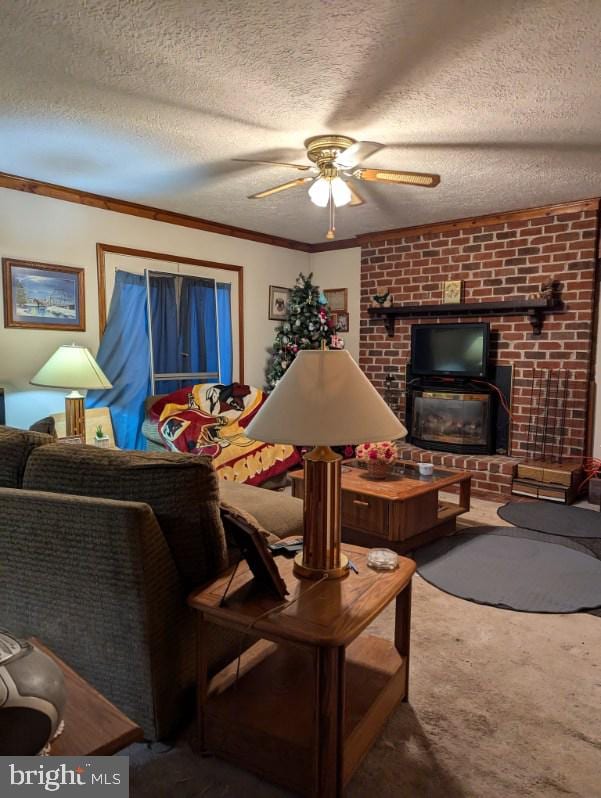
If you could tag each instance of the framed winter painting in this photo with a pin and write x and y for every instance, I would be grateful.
(42, 296)
(278, 302)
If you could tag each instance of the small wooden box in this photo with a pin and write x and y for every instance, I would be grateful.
(566, 474)
(557, 482)
(543, 490)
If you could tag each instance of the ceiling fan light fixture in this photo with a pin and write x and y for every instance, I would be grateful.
(319, 192)
(341, 193)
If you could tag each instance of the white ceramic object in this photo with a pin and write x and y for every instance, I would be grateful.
(425, 469)
(383, 559)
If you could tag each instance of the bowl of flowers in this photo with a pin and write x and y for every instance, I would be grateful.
(379, 457)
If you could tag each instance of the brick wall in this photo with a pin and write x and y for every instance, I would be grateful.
(501, 257)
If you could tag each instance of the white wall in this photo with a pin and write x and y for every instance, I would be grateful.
(342, 269)
(53, 231)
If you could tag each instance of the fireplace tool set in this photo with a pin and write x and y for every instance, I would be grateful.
(547, 422)
(544, 474)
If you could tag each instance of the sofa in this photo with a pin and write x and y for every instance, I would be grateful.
(99, 550)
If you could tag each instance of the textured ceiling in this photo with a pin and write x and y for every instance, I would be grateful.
(149, 100)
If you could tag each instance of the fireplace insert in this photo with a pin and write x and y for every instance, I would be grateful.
(450, 420)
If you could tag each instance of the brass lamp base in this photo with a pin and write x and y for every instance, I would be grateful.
(306, 572)
(321, 554)
(75, 415)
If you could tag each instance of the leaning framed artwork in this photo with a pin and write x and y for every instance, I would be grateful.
(342, 321)
(42, 296)
(337, 298)
(278, 302)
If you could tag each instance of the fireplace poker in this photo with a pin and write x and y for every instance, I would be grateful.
(555, 418)
(562, 429)
(528, 442)
(547, 408)
(537, 427)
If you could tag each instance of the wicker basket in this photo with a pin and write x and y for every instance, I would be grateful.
(378, 469)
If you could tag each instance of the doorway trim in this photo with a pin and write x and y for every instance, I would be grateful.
(103, 249)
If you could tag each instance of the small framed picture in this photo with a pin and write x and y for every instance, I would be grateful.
(337, 298)
(452, 291)
(42, 296)
(278, 302)
(342, 321)
(253, 547)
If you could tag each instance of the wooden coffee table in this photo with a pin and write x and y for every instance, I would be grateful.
(313, 694)
(402, 512)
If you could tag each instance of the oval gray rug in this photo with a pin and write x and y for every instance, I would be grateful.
(572, 522)
(512, 572)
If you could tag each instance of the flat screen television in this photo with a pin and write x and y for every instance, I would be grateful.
(450, 350)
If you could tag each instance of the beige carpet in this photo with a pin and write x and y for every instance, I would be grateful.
(502, 704)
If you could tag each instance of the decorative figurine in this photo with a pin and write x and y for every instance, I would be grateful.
(382, 300)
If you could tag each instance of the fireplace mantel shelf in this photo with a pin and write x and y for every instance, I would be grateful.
(535, 309)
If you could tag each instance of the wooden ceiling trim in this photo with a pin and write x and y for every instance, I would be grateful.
(54, 191)
(66, 194)
(483, 221)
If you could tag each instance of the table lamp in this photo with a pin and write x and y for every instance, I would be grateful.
(73, 367)
(323, 400)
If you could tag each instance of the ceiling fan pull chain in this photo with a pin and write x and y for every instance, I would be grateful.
(332, 231)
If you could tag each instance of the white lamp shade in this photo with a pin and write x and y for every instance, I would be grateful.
(319, 192)
(324, 399)
(71, 367)
(341, 193)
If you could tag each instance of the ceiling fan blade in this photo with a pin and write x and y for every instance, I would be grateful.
(356, 153)
(282, 187)
(297, 166)
(357, 198)
(393, 176)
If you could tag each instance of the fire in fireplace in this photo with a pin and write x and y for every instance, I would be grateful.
(452, 421)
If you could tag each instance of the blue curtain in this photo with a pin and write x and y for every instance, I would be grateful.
(198, 325)
(224, 315)
(124, 356)
(165, 349)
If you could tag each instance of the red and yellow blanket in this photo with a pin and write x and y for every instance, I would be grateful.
(211, 420)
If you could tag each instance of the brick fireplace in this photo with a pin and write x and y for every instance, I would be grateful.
(502, 257)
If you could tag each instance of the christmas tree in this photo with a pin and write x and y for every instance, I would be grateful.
(308, 324)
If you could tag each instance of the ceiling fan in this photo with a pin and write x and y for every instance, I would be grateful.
(336, 162)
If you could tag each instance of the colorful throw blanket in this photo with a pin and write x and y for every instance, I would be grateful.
(211, 420)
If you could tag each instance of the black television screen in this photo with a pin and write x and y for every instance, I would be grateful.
(456, 350)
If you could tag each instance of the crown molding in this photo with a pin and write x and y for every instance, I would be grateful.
(66, 194)
(54, 191)
(326, 246)
(573, 206)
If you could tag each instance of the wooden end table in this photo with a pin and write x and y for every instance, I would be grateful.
(400, 513)
(313, 694)
(93, 726)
